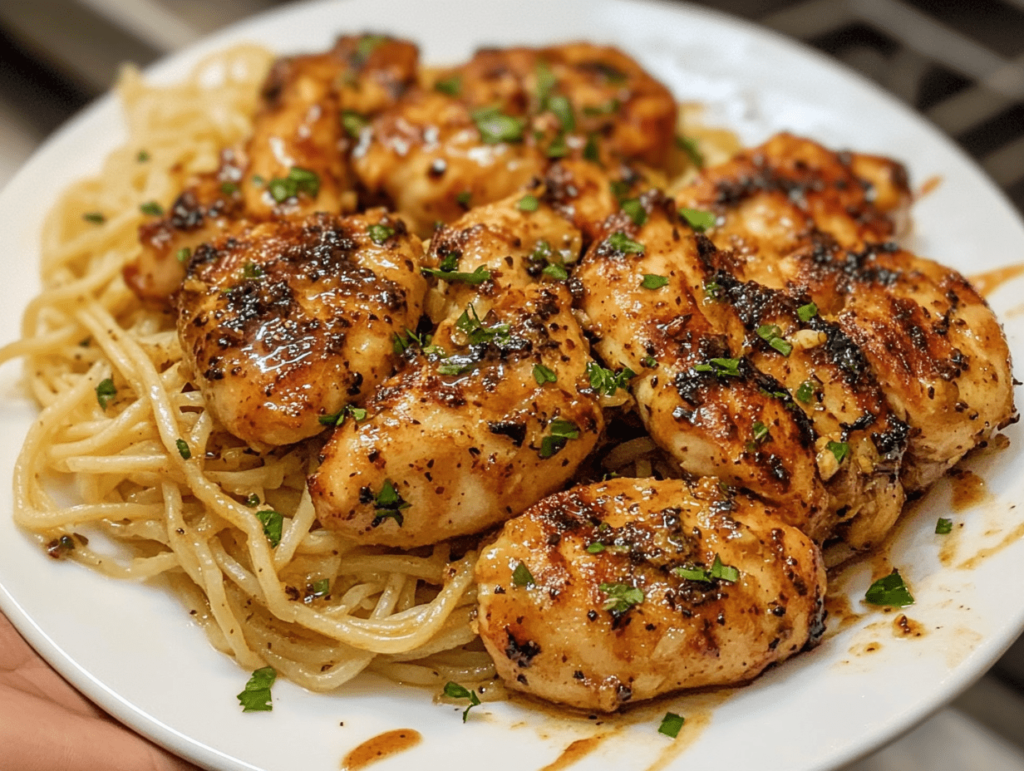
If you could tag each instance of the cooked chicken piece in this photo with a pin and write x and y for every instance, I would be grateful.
(795, 222)
(492, 416)
(513, 243)
(314, 106)
(211, 205)
(624, 590)
(699, 398)
(294, 162)
(488, 128)
(289, 321)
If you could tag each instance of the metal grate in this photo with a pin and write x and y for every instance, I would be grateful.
(961, 64)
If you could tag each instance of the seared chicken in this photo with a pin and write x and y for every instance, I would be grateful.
(295, 161)
(290, 321)
(699, 398)
(489, 127)
(624, 590)
(489, 418)
(818, 225)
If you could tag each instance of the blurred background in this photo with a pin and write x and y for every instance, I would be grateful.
(958, 62)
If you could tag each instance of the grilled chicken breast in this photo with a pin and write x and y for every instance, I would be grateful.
(624, 590)
(819, 225)
(487, 128)
(294, 163)
(291, 320)
(489, 418)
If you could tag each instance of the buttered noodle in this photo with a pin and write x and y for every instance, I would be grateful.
(402, 615)
(315, 607)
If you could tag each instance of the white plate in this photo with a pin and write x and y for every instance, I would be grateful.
(134, 650)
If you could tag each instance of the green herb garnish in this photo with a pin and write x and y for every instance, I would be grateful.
(607, 382)
(496, 127)
(697, 219)
(721, 367)
(889, 591)
(543, 375)
(353, 123)
(299, 180)
(256, 696)
(451, 86)
(653, 281)
(839, 449)
(389, 505)
(635, 210)
(456, 691)
(772, 334)
(183, 449)
(521, 576)
(621, 597)
(670, 724)
(689, 146)
(273, 525)
(806, 391)
(338, 418)
(561, 432)
(528, 203)
(105, 392)
(95, 217)
(152, 208)
(944, 526)
(620, 242)
(807, 312)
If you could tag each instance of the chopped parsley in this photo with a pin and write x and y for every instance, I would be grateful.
(670, 724)
(380, 233)
(608, 108)
(889, 591)
(95, 217)
(152, 208)
(252, 501)
(721, 367)
(772, 334)
(621, 597)
(446, 271)
(353, 123)
(719, 570)
(591, 150)
(142, 157)
(807, 312)
(596, 547)
(105, 392)
(252, 270)
(653, 281)
(839, 449)
(463, 199)
(451, 86)
(402, 343)
(273, 525)
(713, 291)
(620, 242)
(761, 433)
(477, 333)
(561, 108)
(321, 587)
(558, 147)
(635, 210)
(650, 362)
(543, 375)
(607, 382)
(697, 219)
(388, 505)
(496, 127)
(456, 691)
(299, 180)
(689, 146)
(256, 696)
(183, 449)
(555, 271)
(806, 391)
(944, 526)
(228, 188)
(522, 576)
(338, 418)
(561, 432)
(528, 203)
(183, 254)
(367, 45)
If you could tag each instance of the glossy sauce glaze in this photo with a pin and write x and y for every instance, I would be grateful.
(380, 747)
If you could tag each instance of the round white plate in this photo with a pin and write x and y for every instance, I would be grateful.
(133, 649)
